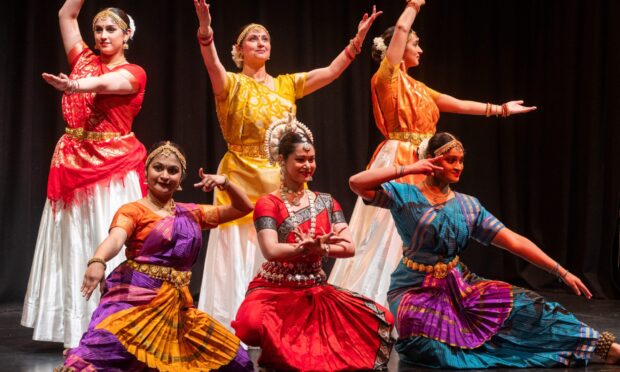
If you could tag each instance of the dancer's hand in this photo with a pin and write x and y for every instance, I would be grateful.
(576, 285)
(366, 22)
(60, 81)
(424, 166)
(210, 181)
(516, 107)
(95, 272)
(204, 16)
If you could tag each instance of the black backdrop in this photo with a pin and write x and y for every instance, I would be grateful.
(552, 175)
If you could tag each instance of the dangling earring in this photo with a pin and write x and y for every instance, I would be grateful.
(179, 188)
(125, 45)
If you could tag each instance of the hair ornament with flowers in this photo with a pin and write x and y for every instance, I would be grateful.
(422, 149)
(379, 45)
(278, 129)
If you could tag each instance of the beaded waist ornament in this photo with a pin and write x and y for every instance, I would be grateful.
(291, 272)
(439, 270)
(175, 277)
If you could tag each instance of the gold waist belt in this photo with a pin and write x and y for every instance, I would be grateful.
(300, 273)
(415, 138)
(80, 134)
(252, 151)
(439, 270)
(175, 277)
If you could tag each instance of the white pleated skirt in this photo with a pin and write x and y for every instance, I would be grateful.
(233, 259)
(378, 247)
(67, 239)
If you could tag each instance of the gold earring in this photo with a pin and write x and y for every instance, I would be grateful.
(125, 46)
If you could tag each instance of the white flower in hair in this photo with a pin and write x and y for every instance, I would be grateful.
(422, 149)
(236, 56)
(132, 27)
(379, 44)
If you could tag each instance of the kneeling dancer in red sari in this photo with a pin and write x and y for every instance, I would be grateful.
(299, 320)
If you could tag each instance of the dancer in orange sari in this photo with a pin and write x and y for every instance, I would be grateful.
(299, 321)
(406, 112)
(97, 166)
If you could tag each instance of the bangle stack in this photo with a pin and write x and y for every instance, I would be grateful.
(204, 39)
(414, 5)
(399, 170)
(491, 110)
(72, 86)
(98, 260)
(325, 247)
(353, 49)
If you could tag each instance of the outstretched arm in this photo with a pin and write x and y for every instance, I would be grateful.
(217, 72)
(448, 103)
(240, 204)
(396, 49)
(69, 29)
(366, 183)
(526, 249)
(118, 82)
(108, 249)
(321, 77)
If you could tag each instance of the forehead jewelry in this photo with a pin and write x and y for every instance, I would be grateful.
(107, 13)
(247, 30)
(166, 150)
(278, 129)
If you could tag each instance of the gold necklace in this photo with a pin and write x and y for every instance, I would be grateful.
(263, 81)
(434, 196)
(168, 207)
(112, 65)
(297, 195)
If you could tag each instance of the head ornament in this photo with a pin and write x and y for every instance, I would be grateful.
(167, 149)
(278, 129)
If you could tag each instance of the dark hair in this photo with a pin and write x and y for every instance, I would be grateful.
(436, 141)
(289, 141)
(377, 54)
(162, 143)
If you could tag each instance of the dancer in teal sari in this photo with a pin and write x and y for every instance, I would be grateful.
(447, 316)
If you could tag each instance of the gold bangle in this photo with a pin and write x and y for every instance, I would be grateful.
(99, 260)
(414, 5)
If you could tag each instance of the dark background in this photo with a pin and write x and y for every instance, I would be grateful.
(552, 175)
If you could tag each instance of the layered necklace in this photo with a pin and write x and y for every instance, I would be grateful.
(434, 196)
(168, 207)
(297, 195)
(293, 215)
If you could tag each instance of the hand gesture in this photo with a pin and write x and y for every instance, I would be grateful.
(576, 285)
(95, 272)
(426, 166)
(210, 181)
(366, 22)
(516, 107)
(204, 15)
(60, 81)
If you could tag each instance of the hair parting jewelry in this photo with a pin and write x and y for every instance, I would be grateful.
(108, 13)
(167, 149)
(98, 260)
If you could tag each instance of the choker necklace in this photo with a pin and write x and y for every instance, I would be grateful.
(436, 197)
(297, 195)
(263, 81)
(168, 207)
(112, 65)
(293, 216)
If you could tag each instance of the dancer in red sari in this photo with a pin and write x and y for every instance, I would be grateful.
(300, 322)
(97, 166)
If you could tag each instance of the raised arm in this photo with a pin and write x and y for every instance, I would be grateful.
(448, 103)
(217, 72)
(240, 203)
(320, 77)
(69, 29)
(396, 49)
(108, 249)
(526, 249)
(366, 183)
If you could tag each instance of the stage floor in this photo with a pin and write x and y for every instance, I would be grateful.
(19, 353)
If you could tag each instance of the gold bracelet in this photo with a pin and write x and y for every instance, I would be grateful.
(99, 260)
(225, 185)
(414, 5)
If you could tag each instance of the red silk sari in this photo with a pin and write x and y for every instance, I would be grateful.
(300, 322)
(98, 145)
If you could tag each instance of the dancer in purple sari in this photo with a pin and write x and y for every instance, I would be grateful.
(146, 318)
(447, 316)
